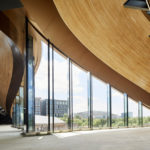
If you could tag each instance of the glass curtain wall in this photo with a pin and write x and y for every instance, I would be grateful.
(80, 98)
(133, 113)
(59, 97)
(61, 105)
(41, 90)
(117, 108)
(146, 116)
(99, 90)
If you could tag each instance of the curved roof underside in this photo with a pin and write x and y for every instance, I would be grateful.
(116, 35)
(44, 15)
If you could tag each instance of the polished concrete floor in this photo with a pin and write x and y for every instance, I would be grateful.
(115, 139)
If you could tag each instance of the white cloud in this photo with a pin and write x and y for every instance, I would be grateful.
(60, 77)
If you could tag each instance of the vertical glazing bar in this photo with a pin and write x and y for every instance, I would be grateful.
(70, 95)
(53, 100)
(125, 109)
(15, 114)
(90, 102)
(30, 94)
(48, 86)
(13, 117)
(27, 45)
(19, 119)
(109, 117)
(140, 116)
(21, 93)
(139, 113)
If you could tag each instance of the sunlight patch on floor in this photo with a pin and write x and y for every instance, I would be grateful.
(76, 133)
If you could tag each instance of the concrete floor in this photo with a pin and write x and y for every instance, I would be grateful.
(115, 139)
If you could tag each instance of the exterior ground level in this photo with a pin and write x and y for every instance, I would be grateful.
(115, 139)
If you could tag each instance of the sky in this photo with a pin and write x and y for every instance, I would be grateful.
(80, 94)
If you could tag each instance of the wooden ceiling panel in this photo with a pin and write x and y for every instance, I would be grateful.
(116, 35)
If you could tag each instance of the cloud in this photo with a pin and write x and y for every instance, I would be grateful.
(80, 104)
(116, 93)
(60, 77)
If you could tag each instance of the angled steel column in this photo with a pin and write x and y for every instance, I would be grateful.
(48, 86)
(70, 96)
(126, 110)
(90, 102)
(109, 111)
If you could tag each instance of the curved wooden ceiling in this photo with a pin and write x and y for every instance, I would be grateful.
(116, 35)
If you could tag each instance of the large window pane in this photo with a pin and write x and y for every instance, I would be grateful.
(99, 103)
(21, 96)
(60, 92)
(17, 112)
(117, 108)
(146, 116)
(133, 113)
(80, 99)
(30, 87)
(41, 91)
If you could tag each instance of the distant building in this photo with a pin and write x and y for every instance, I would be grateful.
(41, 123)
(60, 107)
(37, 106)
(96, 115)
(130, 114)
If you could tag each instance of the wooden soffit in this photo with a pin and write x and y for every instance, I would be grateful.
(116, 35)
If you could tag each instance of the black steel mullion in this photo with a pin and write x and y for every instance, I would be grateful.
(53, 101)
(48, 86)
(127, 111)
(27, 45)
(140, 117)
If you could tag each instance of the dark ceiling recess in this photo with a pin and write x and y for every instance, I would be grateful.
(10, 4)
(138, 4)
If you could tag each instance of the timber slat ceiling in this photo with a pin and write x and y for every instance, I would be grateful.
(116, 35)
